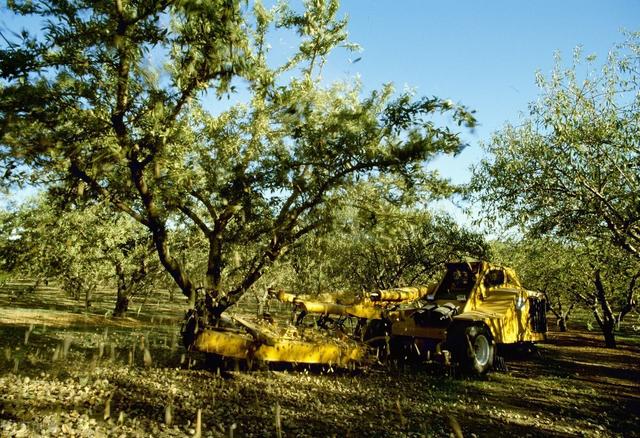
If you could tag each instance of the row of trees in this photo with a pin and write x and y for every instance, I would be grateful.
(375, 245)
(80, 249)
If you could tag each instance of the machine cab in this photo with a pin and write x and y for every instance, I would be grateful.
(458, 282)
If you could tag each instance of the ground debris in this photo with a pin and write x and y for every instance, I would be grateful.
(570, 390)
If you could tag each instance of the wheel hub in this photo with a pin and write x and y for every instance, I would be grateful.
(481, 349)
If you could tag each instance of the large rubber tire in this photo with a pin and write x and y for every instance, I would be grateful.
(473, 348)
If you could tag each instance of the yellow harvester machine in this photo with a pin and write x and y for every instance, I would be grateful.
(475, 307)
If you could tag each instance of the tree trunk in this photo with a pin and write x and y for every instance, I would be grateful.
(607, 322)
(88, 294)
(122, 296)
(122, 303)
(609, 337)
(562, 323)
(214, 263)
(607, 326)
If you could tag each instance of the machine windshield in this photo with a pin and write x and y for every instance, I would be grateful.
(458, 282)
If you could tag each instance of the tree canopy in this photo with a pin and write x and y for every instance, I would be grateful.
(110, 102)
(573, 166)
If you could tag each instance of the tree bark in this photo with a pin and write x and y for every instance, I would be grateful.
(122, 304)
(88, 294)
(562, 323)
(609, 336)
(215, 263)
(122, 298)
(607, 322)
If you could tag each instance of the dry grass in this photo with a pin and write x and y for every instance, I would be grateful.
(61, 319)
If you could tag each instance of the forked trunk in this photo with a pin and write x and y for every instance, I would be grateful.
(561, 314)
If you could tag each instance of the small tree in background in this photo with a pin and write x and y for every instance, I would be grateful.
(614, 286)
(572, 170)
(82, 249)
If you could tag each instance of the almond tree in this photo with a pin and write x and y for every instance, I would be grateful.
(613, 286)
(111, 99)
(572, 170)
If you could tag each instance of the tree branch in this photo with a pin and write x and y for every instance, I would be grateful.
(117, 116)
(158, 229)
(212, 211)
(76, 171)
(195, 218)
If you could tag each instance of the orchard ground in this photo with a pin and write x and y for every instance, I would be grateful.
(68, 372)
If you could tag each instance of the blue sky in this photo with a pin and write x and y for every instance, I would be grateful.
(483, 54)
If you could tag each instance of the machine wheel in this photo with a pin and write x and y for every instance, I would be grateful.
(376, 335)
(473, 348)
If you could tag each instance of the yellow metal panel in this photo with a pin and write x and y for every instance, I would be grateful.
(404, 293)
(358, 310)
(243, 347)
(224, 343)
(286, 297)
(308, 352)
(499, 312)
(365, 311)
(323, 308)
